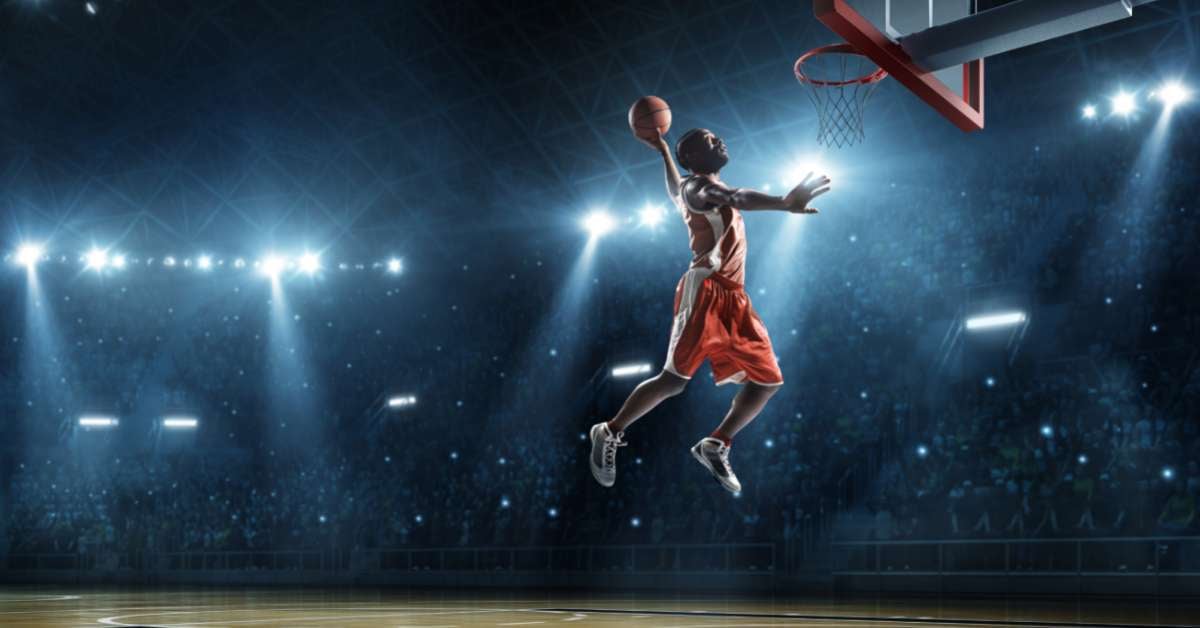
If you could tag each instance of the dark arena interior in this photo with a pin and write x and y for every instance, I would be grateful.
(316, 314)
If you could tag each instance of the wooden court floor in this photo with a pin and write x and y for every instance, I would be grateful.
(352, 608)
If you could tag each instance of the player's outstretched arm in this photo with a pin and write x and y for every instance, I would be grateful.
(744, 199)
(672, 173)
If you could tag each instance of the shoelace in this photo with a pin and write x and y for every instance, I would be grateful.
(723, 454)
(610, 449)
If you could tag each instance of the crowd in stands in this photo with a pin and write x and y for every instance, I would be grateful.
(1089, 431)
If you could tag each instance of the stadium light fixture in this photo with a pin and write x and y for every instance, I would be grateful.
(1168, 473)
(204, 262)
(598, 223)
(1124, 104)
(990, 321)
(169, 261)
(239, 263)
(629, 370)
(403, 401)
(652, 215)
(922, 451)
(271, 266)
(310, 263)
(180, 423)
(118, 262)
(98, 421)
(1089, 112)
(28, 255)
(1172, 94)
(802, 167)
(96, 259)
(395, 266)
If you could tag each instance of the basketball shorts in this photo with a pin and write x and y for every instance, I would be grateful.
(715, 321)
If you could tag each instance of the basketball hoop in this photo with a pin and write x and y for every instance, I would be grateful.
(840, 94)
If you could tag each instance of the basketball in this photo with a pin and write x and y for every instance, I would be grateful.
(650, 117)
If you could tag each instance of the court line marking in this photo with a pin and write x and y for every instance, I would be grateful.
(867, 619)
(117, 620)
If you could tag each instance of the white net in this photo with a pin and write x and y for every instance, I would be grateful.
(839, 81)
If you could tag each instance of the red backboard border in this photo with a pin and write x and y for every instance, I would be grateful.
(964, 110)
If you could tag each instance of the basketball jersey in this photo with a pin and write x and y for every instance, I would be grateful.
(716, 235)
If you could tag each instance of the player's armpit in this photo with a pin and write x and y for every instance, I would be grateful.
(713, 194)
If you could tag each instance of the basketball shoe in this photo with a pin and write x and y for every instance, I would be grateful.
(604, 454)
(714, 455)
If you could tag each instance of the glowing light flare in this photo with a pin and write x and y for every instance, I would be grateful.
(271, 265)
(990, 321)
(29, 255)
(1124, 104)
(802, 167)
(404, 401)
(598, 223)
(1089, 112)
(204, 262)
(98, 421)
(180, 423)
(310, 263)
(96, 259)
(629, 370)
(652, 215)
(1172, 94)
(395, 266)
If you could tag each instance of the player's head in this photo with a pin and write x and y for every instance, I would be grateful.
(701, 151)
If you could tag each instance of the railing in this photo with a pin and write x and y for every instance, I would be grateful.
(1082, 558)
(736, 559)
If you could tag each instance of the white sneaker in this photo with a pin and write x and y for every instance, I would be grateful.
(604, 454)
(714, 455)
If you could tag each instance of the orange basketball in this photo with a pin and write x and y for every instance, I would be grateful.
(650, 117)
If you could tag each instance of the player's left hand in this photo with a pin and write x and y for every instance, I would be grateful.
(811, 187)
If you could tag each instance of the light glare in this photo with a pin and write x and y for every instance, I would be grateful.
(97, 259)
(1089, 112)
(652, 215)
(995, 320)
(1173, 94)
(29, 254)
(627, 370)
(1124, 104)
(599, 223)
(180, 423)
(394, 266)
(310, 263)
(272, 265)
(97, 421)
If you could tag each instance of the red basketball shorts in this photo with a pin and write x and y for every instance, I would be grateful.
(715, 321)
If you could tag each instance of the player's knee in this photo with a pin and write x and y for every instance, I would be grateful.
(671, 384)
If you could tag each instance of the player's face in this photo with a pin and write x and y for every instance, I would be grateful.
(713, 153)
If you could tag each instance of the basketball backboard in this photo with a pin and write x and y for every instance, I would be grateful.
(936, 48)
(877, 27)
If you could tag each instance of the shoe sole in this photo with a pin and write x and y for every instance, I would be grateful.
(592, 465)
(702, 460)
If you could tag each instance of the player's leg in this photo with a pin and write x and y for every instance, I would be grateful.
(747, 404)
(606, 437)
(713, 452)
(646, 397)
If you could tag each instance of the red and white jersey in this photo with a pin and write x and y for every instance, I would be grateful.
(717, 236)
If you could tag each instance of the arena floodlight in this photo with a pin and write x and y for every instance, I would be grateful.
(629, 370)
(991, 321)
(204, 262)
(598, 223)
(118, 262)
(180, 423)
(96, 259)
(1172, 94)
(90, 7)
(802, 167)
(395, 266)
(271, 266)
(403, 401)
(169, 261)
(29, 254)
(1124, 104)
(239, 263)
(310, 263)
(98, 421)
(1089, 112)
(652, 215)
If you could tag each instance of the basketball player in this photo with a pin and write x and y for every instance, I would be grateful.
(713, 316)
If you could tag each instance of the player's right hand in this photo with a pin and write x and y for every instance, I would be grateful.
(658, 144)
